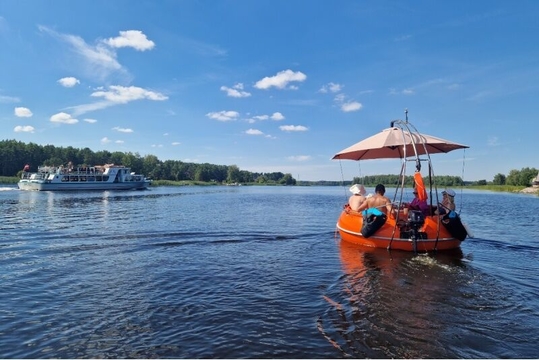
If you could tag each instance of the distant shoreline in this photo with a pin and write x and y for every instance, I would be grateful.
(498, 188)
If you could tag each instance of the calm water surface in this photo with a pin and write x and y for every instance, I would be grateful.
(256, 272)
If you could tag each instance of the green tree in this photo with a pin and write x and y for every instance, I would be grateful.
(233, 174)
(499, 179)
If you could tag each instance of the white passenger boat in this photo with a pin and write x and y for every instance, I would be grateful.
(103, 177)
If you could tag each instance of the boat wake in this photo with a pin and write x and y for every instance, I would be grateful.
(9, 189)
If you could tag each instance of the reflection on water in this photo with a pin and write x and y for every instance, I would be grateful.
(401, 305)
(389, 302)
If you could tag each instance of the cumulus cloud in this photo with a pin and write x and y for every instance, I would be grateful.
(26, 128)
(175, 143)
(351, 106)
(23, 112)
(124, 130)
(131, 38)
(91, 121)
(119, 141)
(254, 132)
(277, 116)
(68, 81)
(293, 128)
(63, 118)
(123, 94)
(223, 115)
(281, 80)
(347, 106)
(236, 91)
(331, 87)
(105, 140)
(299, 158)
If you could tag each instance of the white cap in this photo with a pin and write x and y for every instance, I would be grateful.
(357, 189)
(449, 192)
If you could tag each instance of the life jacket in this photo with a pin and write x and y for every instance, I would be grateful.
(420, 187)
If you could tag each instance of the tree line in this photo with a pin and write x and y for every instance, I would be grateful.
(395, 180)
(15, 154)
(522, 177)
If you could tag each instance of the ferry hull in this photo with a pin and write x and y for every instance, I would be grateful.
(47, 186)
(435, 236)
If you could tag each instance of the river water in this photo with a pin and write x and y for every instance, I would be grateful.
(256, 272)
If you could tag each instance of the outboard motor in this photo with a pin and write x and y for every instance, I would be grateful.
(416, 219)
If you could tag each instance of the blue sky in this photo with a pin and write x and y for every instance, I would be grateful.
(278, 85)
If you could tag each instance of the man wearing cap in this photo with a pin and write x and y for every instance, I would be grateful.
(448, 202)
(358, 196)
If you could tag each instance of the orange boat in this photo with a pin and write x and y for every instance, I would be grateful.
(403, 229)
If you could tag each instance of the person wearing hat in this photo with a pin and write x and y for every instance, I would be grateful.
(448, 202)
(358, 196)
(418, 204)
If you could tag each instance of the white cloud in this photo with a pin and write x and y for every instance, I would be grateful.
(63, 118)
(261, 117)
(254, 132)
(175, 143)
(131, 38)
(394, 91)
(105, 140)
(236, 91)
(123, 94)
(117, 95)
(100, 60)
(331, 87)
(9, 99)
(351, 106)
(223, 115)
(124, 130)
(277, 116)
(281, 80)
(91, 121)
(157, 145)
(299, 158)
(26, 128)
(22, 112)
(68, 81)
(339, 98)
(119, 141)
(293, 128)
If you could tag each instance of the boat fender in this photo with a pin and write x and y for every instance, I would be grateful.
(452, 223)
(372, 223)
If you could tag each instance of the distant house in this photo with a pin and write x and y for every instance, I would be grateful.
(535, 181)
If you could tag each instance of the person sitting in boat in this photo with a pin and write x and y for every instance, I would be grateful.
(448, 202)
(377, 201)
(418, 204)
(358, 196)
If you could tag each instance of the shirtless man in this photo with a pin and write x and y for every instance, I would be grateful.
(377, 201)
(358, 196)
